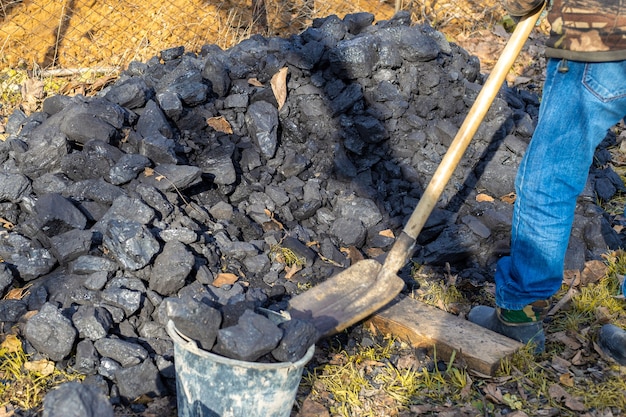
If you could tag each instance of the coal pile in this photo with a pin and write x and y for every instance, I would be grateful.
(188, 191)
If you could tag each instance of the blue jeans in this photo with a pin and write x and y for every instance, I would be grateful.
(577, 109)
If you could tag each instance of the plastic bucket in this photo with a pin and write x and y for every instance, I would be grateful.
(210, 385)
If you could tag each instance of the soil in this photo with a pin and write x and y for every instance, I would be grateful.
(80, 34)
(92, 34)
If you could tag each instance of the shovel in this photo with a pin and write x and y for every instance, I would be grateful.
(365, 287)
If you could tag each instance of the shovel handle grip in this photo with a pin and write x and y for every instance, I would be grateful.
(401, 249)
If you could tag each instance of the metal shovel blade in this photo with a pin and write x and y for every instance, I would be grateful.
(367, 286)
(346, 298)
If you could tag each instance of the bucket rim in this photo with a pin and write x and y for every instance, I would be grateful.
(191, 346)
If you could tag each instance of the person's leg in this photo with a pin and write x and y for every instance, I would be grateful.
(578, 107)
(573, 120)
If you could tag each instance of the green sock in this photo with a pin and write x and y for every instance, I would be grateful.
(515, 316)
(530, 313)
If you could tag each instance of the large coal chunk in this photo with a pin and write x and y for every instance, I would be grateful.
(73, 399)
(26, 257)
(92, 322)
(45, 152)
(171, 268)
(13, 187)
(217, 73)
(195, 320)
(354, 58)
(138, 380)
(51, 333)
(262, 121)
(12, 310)
(130, 243)
(56, 215)
(171, 177)
(6, 278)
(91, 119)
(125, 353)
(298, 336)
(254, 336)
(131, 93)
(70, 245)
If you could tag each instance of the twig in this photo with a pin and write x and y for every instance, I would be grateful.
(571, 292)
(70, 72)
(57, 40)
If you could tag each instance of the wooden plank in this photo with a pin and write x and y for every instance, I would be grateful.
(422, 325)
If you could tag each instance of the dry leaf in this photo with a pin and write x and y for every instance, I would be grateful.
(593, 272)
(353, 254)
(290, 271)
(571, 277)
(578, 358)
(567, 380)
(482, 197)
(374, 252)
(311, 408)
(387, 233)
(603, 314)
(220, 124)
(148, 172)
(558, 393)
(255, 82)
(102, 82)
(421, 408)
(32, 92)
(521, 80)
(6, 224)
(509, 198)
(568, 341)
(42, 366)
(493, 393)
(17, 293)
(574, 404)
(269, 214)
(560, 365)
(224, 278)
(4, 412)
(279, 86)
(11, 344)
(159, 177)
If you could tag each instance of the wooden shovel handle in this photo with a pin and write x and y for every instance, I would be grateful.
(400, 251)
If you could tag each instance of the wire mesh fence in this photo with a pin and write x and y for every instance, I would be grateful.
(108, 34)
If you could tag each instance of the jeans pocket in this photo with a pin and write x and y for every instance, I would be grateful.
(606, 80)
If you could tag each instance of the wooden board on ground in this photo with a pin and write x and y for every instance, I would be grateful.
(422, 325)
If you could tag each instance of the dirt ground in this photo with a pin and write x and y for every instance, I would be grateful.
(107, 34)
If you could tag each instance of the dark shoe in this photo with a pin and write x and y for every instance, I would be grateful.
(612, 340)
(529, 332)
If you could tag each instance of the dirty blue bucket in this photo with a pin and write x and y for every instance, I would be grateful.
(210, 385)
